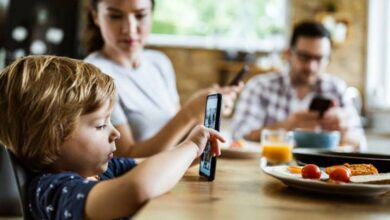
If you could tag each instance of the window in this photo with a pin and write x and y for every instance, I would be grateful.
(378, 56)
(247, 25)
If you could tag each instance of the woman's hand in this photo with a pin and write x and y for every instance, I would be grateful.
(196, 104)
(230, 94)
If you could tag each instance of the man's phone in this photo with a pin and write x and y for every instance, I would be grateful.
(320, 104)
(212, 120)
(239, 76)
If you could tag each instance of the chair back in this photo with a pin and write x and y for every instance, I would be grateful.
(13, 185)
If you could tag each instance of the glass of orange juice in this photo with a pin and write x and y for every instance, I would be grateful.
(277, 145)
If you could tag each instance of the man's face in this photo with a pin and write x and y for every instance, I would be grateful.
(308, 59)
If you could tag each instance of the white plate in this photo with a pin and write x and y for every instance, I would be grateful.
(350, 189)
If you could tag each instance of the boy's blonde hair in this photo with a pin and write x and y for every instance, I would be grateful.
(41, 98)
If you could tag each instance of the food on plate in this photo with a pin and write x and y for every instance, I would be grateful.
(311, 171)
(354, 173)
(340, 173)
(381, 178)
(237, 144)
(295, 169)
(356, 169)
(361, 169)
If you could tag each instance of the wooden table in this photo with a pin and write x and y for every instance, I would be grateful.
(242, 191)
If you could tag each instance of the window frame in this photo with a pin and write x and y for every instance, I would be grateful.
(378, 54)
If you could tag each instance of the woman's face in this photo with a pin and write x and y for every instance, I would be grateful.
(124, 25)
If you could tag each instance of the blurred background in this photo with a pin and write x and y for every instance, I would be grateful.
(208, 41)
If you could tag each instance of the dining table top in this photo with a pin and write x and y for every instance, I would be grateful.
(241, 190)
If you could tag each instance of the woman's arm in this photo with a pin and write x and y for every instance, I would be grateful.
(168, 136)
(156, 175)
(177, 128)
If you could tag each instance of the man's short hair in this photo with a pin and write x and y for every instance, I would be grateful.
(309, 29)
(41, 100)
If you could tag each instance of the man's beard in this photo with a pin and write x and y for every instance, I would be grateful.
(303, 79)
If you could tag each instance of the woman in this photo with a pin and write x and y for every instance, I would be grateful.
(150, 119)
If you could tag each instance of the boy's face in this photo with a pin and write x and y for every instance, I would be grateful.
(91, 144)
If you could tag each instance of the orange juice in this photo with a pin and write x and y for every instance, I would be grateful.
(277, 152)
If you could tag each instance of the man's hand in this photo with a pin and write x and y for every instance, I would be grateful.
(302, 119)
(335, 120)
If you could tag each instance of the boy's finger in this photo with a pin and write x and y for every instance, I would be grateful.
(217, 135)
(215, 150)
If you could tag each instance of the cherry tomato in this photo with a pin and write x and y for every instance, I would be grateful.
(311, 171)
(340, 174)
(330, 169)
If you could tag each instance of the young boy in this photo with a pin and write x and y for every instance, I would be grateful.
(55, 117)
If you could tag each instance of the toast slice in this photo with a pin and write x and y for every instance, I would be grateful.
(356, 169)
(381, 178)
(361, 169)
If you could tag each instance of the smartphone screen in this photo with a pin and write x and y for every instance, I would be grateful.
(240, 75)
(211, 120)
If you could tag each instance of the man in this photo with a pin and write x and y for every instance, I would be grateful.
(281, 100)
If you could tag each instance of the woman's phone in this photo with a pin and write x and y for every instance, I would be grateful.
(239, 76)
(212, 120)
(320, 104)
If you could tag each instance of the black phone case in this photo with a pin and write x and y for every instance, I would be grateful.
(217, 127)
(320, 104)
(239, 75)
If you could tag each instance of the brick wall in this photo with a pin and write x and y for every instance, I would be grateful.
(195, 68)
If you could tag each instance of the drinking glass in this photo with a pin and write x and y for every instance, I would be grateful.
(277, 145)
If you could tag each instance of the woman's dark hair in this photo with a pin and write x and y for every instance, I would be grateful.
(92, 38)
(309, 29)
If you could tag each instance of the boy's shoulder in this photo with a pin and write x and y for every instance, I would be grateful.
(117, 166)
(49, 184)
(54, 194)
(47, 179)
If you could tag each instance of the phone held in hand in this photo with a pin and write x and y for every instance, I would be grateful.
(240, 75)
(212, 120)
(321, 105)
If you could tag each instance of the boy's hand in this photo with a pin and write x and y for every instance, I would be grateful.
(200, 135)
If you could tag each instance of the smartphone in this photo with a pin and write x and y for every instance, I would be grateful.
(212, 120)
(239, 76)
(320, 104)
